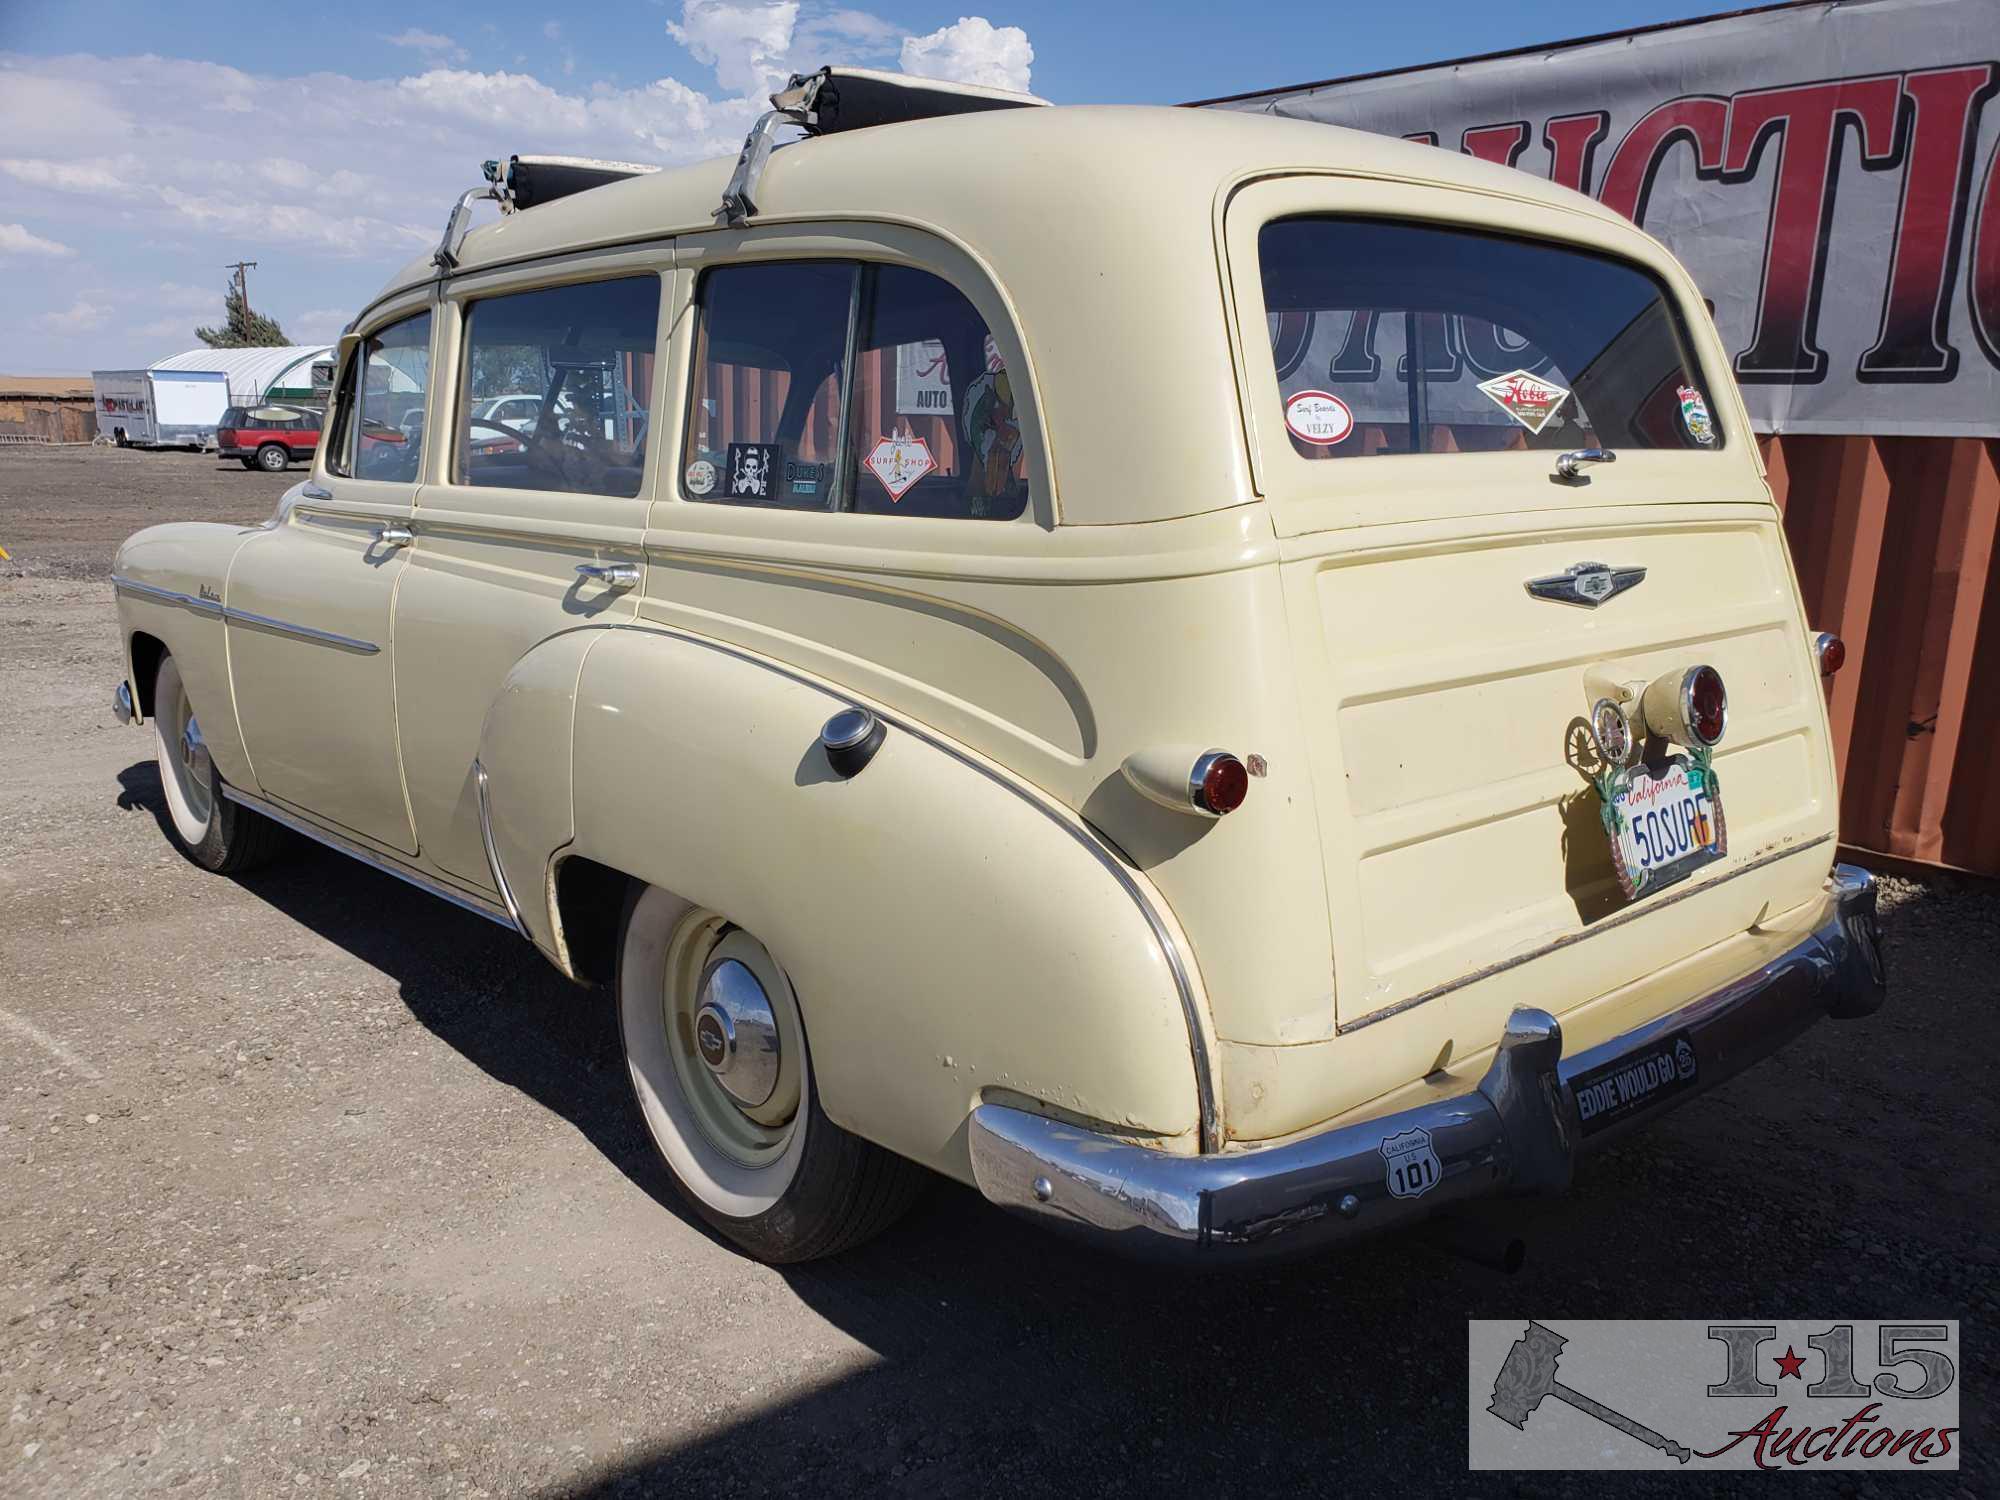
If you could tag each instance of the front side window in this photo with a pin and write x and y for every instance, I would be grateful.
(1406, 338)
(395, 374)
(924, 423)
(555, 387)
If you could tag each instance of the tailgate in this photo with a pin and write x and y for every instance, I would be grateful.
(1465, 853)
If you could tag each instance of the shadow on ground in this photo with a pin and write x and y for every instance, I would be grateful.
(1816, 1185)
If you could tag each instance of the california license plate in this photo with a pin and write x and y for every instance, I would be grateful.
(1665, 822)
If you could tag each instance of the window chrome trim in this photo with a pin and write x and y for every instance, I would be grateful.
(1176, 960)
(245, 617)
(461, 899)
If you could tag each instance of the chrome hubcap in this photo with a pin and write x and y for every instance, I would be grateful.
(736, 1033)
(194, 753)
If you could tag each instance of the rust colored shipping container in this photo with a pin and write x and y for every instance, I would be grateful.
(1894, 539)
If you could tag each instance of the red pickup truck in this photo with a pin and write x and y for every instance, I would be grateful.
(268, 437)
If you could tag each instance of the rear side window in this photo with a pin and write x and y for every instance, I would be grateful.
(1405, 338)
(830, 385)
(554, 391)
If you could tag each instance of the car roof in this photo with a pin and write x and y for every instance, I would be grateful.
(965, 173)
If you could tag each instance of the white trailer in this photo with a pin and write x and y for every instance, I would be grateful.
(160, 408)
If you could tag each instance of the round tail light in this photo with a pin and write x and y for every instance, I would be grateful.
(1218, 784)
(1705, 704)
(1831, 651)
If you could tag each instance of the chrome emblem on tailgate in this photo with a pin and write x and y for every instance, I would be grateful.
(1586, 583)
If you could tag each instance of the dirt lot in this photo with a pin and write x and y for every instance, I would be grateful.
(310, 1183)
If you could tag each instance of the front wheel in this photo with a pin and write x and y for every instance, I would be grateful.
(272, 458)
(215, 833)
(716, 1047)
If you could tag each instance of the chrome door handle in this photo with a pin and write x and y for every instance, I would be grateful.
(1570, 465)
(611, 575)
(315, 492)
(395, 536)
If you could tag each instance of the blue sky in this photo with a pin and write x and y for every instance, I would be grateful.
(142, 146)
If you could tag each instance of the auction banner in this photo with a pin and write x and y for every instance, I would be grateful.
(1826, 171)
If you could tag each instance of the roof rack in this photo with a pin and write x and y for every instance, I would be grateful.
(524, 182)
(841, 99)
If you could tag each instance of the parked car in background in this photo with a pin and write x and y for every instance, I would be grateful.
(1194, 690)
(268, 437)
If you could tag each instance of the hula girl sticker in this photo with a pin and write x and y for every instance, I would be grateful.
(1694, 415)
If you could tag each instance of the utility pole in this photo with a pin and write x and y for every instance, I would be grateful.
(242, 284)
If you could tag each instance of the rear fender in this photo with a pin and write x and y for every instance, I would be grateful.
(951, 934)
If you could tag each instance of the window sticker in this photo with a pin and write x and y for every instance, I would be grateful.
(899, 462)
(802, 479)
(752, 469)
(992, 431)
(1526, 398)
(1318, 418)
(700, 477)
(994, 363)
(1694, 415)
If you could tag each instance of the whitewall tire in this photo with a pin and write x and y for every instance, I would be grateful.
(215, 833)
(715, 1044)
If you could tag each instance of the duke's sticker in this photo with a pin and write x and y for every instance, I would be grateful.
(1694, 415)
(802, 479)
(700, 477)
(900, 462)
(1410, 1163)
(1526, 398)
(1318, 418)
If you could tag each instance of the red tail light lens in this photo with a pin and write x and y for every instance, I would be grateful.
(1219, 783)
(1831, 651)
(1706, 705)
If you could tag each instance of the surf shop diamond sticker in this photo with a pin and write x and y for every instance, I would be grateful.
(899, 462)
(1528, 399)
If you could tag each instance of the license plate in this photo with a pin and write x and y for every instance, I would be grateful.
(1608, 1094)
(1664, 822)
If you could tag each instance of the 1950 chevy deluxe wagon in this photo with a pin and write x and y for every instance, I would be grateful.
(1100, 652)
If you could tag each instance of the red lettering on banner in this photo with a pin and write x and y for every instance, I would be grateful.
(1943, 109)
(1700, 121)
(1983, 289)
(1572, 142)
(1808, 122)
(1500, 144)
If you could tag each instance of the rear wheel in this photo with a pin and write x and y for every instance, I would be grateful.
(215, 833)
(272, 458)
(716, 1047)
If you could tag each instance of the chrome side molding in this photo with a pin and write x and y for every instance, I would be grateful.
(464, 900)
(243, 616)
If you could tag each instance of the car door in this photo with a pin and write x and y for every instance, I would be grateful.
(311, 600)
(520, 536)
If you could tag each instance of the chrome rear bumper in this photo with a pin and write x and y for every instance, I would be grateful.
(1517, 1131)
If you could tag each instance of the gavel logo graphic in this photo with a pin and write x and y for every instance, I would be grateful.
(1529, 1373)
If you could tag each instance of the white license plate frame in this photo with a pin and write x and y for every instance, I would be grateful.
(1664, 821)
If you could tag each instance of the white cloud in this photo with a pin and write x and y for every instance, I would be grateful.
(749, 46)
(972, 51)
(429, 43)
(16, 240)
(79, 317)
(318, 325)
(86, 175)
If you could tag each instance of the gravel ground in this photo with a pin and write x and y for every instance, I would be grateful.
(311, 1183)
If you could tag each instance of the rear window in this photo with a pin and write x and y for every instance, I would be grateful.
(1517, 344)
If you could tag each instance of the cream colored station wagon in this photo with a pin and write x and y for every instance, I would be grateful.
(1231, 683)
